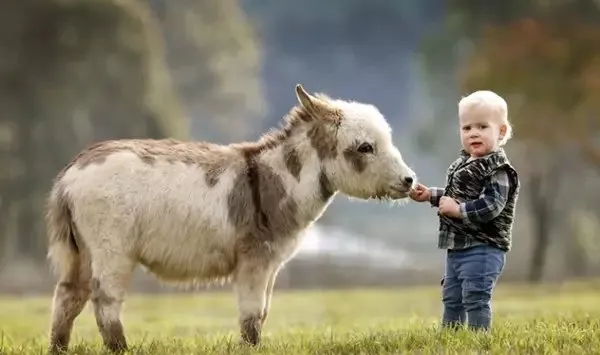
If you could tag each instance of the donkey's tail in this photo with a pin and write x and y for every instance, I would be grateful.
(63, 251)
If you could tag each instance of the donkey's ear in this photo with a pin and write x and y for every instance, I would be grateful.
(316, 107)
(304, 98)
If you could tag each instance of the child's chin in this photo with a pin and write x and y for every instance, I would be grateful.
(477, 150)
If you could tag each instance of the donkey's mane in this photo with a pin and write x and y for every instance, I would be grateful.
(191, 151)
(296, 116)
(273, 137)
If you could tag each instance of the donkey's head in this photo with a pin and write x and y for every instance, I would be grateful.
(358, 155)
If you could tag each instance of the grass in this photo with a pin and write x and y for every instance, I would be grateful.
(528, 320)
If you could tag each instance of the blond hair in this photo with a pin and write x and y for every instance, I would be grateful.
(492, 105)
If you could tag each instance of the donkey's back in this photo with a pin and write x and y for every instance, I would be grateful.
(164, 203)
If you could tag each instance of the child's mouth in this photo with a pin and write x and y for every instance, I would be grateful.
(476, 145)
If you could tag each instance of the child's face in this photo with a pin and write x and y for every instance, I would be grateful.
(479, 135)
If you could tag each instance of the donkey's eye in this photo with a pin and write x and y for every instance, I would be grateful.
(365, 148)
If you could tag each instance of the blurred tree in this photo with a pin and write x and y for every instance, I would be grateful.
(441, 55)
(72, 72)
(544, 57)
(549, 69)
(584, 227)
(215, 59)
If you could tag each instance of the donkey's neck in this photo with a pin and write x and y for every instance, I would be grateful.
(296, 161)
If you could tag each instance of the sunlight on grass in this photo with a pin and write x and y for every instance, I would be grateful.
(545, 319)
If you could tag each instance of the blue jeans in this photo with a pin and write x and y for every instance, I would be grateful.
(469, 280)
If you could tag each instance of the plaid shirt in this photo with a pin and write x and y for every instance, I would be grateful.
(488, 206)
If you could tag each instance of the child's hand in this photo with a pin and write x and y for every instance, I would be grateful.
(420, 193)
(449, 207)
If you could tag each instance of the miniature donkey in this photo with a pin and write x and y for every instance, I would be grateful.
(198, 212)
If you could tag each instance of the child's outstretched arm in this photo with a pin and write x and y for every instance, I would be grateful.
(491, 202)
(435, 193)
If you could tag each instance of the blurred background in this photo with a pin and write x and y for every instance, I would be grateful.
(77, 71)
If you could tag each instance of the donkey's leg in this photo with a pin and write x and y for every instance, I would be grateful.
(251, 281)
(111, 274)
(268, 296)
(70, 296)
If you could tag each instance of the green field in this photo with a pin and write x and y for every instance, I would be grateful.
(541, 320)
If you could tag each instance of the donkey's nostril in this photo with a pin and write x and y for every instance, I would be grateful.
(408, 180)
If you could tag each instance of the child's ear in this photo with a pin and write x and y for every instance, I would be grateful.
(503, 130)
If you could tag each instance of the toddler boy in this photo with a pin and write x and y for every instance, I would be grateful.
(476, 210)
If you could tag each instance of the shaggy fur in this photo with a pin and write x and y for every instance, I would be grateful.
(194, 212)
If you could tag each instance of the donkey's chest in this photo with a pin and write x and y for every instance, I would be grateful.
(279, 249)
